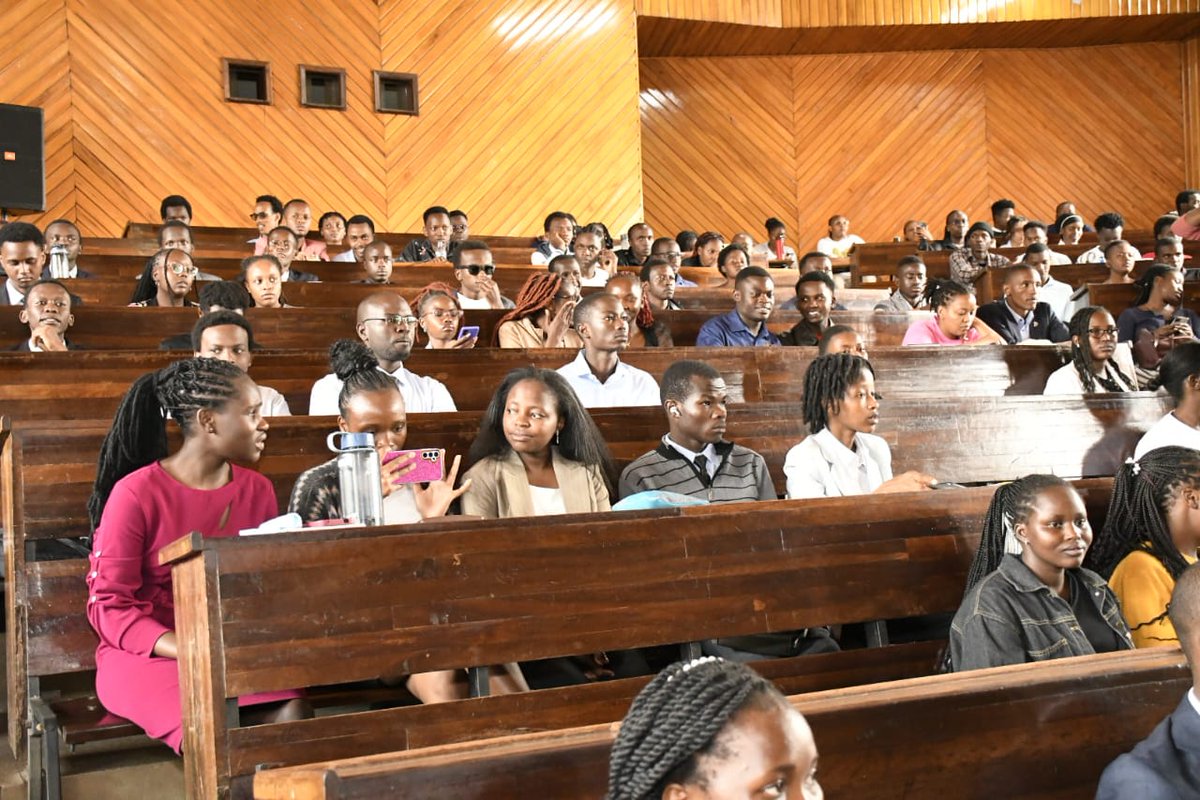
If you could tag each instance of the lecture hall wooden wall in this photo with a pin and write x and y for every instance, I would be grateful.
(134, 108)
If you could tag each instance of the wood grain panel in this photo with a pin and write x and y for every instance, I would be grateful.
(745, 12)
(1191, 109)
(526, 107)
(35, 71)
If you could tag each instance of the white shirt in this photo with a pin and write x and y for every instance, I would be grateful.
(400, 507)
(273, 403)
(1066, 380)
(767, 250)
(33, 348)
(15, 298)
(599, 278)
(709, 452)
(627, 386)
(1166, 432)
(1056, 259)
(421, 394)
(539, 259)
(839, 248)
(547, 502)
(1057, 295)
(346, 256)
(821, 466)
(1093, 256)
(469, 302)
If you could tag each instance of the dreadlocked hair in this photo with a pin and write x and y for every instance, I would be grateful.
(1143, 492)
(826, 382)
(678, 718)
(138, 436)
(146, 287)
(1145, 283)
(1011, 505)
(1081, 355)
(358, 370)
(537, 294)
(431, 292)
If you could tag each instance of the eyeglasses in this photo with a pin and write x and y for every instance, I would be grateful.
(1102, 333)
(670, 256)
(486, 269)
(260, 214)
(395, 320)
(183, 269)
(444, 313)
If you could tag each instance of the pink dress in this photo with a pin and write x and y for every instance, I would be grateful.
(130, 602)
(310, 250)
(926, 331)
(1185, 230)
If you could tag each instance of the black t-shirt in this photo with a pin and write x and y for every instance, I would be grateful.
(1098, 632)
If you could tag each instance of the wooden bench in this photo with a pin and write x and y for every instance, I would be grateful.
(239, 236)
(1032, 731)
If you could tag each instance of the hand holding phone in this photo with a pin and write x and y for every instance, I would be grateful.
(468, 330)
(415, 466)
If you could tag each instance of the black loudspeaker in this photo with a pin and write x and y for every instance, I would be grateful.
(22, 164)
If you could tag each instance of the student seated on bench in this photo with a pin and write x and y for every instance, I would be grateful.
(1020, 316)
(175, 207)
(142, 499)
(644, 330)
(65, 233)
(711, 728)
(694, 457)
(1150, 536)
(746, 324)
(1050, 290)
(439, 316)
(47, 312)
(284, 244)
(1035, 233)
(1098, 362)
(474, 268)
(332, 226)
(842, 339)
(1179, 374)
(1109, 227)
(909, 292)
(387, 326)
(263, 278)
(658, 284)
(776, 246)
(377, 263)
(566, 266)
(954, 321)
(840, 240)
(969, 263)
(543, 313)
(598, 376)
(814, 300)
(731, 260)
(668, 249)
(954, 238)
(215, 296)
(1170, 251)
(360, 232)
(842, 456)
(436, 246)
(22, 255)
(1163, 766)
(227, 336)
(1041, 604)
(707, 251)
(168, 281)
(1157, 321)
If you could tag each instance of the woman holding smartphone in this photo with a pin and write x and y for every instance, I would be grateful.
(439, 313)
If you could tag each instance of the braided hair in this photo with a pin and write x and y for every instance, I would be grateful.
(1081, 356)
(146, 287)
(940, 291)
(678, 718)
(138, 436)
(1145, 283)
(1011, 505)
(826, 382)
(537, 294)
(358, 370)
(1143, 492)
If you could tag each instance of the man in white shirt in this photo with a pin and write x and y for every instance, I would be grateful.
(1053, 292)
(360, 232)
(386, 325)
(598, 376)
(22, 255)
(474, 268)
(587, 253)
(1109, 227)
(559, 231)
(1035, 233)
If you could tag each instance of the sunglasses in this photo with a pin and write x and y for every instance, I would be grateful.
(486, 269)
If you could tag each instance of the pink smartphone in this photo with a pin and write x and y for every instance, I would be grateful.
(430, 465)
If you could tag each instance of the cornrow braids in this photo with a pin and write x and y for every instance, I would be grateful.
(358, 370)
(537, 294)
(1143, 492)
(1081, 355)
(1011, 504)
(138, 436)
(677, 718)
(940, 291)
(826, 382)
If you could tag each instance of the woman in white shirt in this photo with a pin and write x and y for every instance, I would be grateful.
(839, 241)
(842, 456)
(1098, 362)
(1179, 374)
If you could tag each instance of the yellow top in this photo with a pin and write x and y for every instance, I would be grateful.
(1144, 587)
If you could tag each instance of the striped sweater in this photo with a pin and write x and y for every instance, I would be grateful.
(741, 475)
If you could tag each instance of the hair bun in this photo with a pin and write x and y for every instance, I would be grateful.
(348, 357)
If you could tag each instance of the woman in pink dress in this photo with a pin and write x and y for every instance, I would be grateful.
(954, 320)
(144, 499)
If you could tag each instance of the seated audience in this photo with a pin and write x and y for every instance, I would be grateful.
(1162, 226)
(694, 458)
(1003, 210)
(603, 236)
(474, 268)
(775, 248)
(730, 261)
(267, 216)
(969, 263)
(1014, 235)
(360, 232)
(377, 263)
(842, 456)
(1070, 229)
(746, 324)
(816, 261)
(708, 248)
(542, 316)
(47, 312)
(1188, 225)
(460, 226)
(1187, 200)
(644, 330)
(1150, 537)
(1028, 597)
(747, 243)
(142, 498)
(439, 315)
(916, 232)
(641, 238)
(955, 236)
(1169, 251)
(1157, 321)
(909, 291)
(1163, 766)
(1054, 292)
(263, 278)
(954, 321)
(215, 296)
(297, 217)
(175, 207)
(1098, 362)
(814, 300)
(842, 339)
(566, 266)
(1035, 233)
(687, 243)
(668, 249)
(386, 325)
(1020, 317)
(1067, 209)
(1179, 374)
(840, 240)
(1109, 227)
(436, 246)
(587, 249)
(658, 282)
(332, 226)
(176, 235)
(711, 728)
(64, 233)
(227, 336)
(23, 256)
(560, 230)
(284, 244)
(168, 282)
(598, 376)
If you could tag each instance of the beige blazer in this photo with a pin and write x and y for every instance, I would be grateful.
(523, 333)
(500, 487)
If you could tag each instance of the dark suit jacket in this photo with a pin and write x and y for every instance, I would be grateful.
(1045, 325)
(23, 347)
(1164, 766)
(80, 274)
(299, 276)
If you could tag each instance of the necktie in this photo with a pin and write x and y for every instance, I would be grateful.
(701, 463)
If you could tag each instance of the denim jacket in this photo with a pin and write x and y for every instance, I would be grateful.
(1011, 617)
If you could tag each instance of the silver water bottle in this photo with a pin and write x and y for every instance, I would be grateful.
(60, 267)
(358, 476)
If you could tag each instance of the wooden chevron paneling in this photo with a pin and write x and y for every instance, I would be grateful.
(526, 107)
(1191, 110)
(34, 71)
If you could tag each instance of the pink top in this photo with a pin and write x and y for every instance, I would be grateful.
(1184, 229)
(926, 331)
(312, 250)
(130, 603)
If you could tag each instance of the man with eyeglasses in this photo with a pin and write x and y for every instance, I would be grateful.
(47, 312)
(474, 268)
(598, 376)
(173, 274)
(64, 233)
(460, 226)
(266, 216)
(436, 246)
(387, 326)
(284, 244)
(667, 248)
